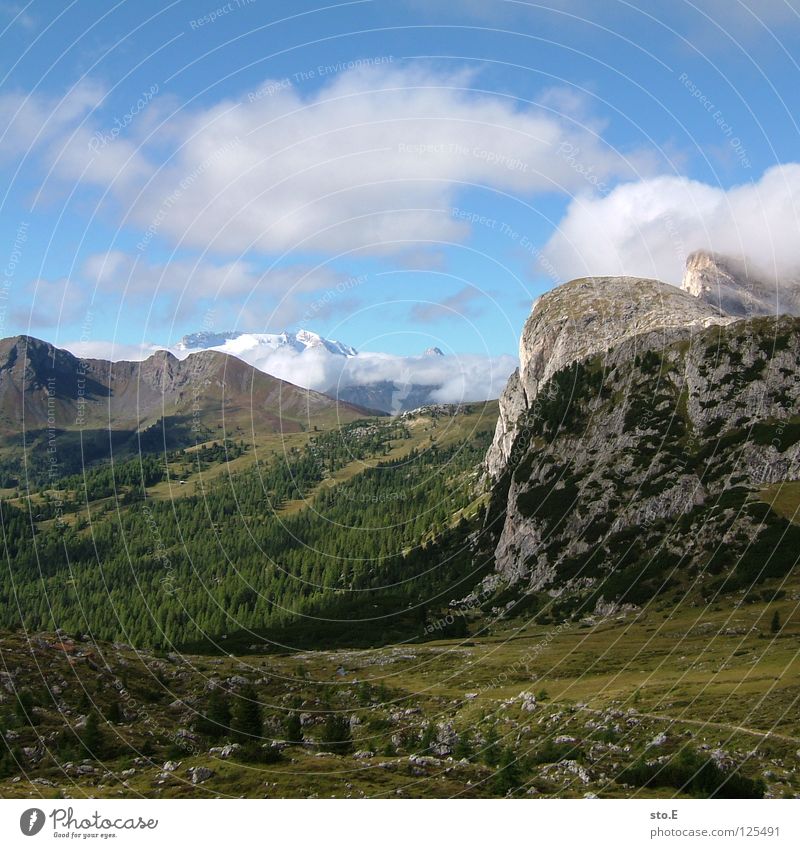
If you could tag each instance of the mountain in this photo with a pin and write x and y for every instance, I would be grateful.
(84, 407)
(602, 595)
(394, 397)
(241, 344)
(386, 396)
(382, 395)
(41, 385)
(736, 288)
(639, 448)
(583, 318)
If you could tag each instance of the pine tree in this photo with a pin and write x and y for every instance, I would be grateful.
(428, 738)
(336, 736)
(10, 761)
(463, 749)
(775, 624)
(216, 722)
(508, 775)
(92, 736)
(491, 751)
(293, 728)
(114, 712)
(248, 720)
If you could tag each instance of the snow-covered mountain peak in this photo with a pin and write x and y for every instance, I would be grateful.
(237, 343)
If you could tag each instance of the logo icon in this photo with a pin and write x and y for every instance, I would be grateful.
(31, 821)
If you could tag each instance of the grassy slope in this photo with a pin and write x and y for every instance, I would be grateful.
(714, 677)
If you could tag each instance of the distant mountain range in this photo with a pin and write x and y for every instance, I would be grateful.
(305, 352)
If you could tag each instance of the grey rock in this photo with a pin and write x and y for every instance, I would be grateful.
(200, 774)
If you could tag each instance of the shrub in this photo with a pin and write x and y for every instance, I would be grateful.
(336, 736)
(693, 774)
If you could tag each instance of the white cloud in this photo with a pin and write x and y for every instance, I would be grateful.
(30, 120)
(372, 161)
(178, 287)
(647, 228)
(462, 377)
(53, 302)
(111, 350)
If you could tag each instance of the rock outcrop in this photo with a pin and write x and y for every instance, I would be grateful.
(582, 318)
(736, 288)
(638, 407)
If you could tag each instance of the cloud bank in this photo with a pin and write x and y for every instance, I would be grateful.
(371, 160)
(648, 228)
(460, 377)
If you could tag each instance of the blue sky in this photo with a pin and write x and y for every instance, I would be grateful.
(395, 174)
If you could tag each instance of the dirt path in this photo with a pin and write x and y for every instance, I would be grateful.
(695, 722)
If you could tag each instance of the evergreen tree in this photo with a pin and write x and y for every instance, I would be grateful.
(428, 738)
(463, 749)
(10, 760)
(508, 777)
(336, 735)
(293, 728)
(92, 736)
(24, 708)
(216, 722)
(114, 712)
(248, 720)
(775, 624)
(491, 751)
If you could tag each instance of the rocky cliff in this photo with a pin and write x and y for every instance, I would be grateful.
(582, 318)
(736, 288)
(636, 447)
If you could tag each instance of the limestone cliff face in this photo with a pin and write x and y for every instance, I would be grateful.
(651, 459)
(640, 407)
(736, 288)
(582, 318)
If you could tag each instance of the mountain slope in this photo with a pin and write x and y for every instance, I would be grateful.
(387, 396)
(642, 467)
(60, 412)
